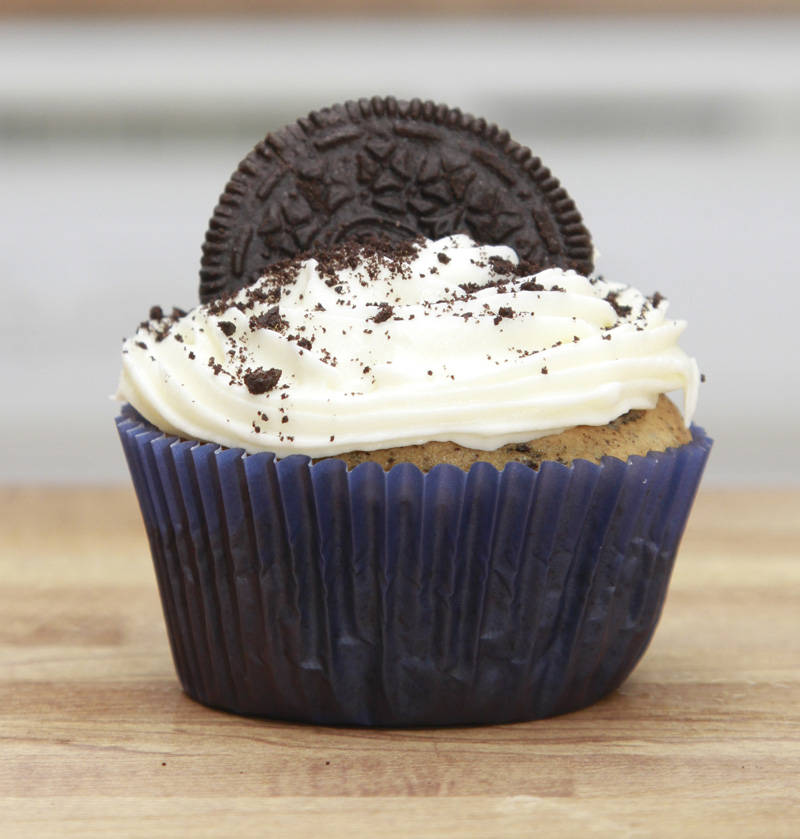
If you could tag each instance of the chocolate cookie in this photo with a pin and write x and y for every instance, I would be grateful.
(388, 168)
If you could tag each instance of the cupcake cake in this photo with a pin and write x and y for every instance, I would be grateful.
(410, 462)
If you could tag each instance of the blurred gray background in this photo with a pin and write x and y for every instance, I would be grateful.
(678, 138)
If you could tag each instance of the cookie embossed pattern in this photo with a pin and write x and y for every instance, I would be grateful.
(388, 168)
(332, 590)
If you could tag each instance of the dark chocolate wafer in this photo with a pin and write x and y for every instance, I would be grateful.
(383, 167)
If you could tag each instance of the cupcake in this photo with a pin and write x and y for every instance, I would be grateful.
(410, 462)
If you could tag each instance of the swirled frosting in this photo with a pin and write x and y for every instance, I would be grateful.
(376, 346)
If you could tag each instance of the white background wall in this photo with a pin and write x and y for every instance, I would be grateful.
(678, 139)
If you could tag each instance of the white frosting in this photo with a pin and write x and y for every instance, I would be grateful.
(442, 364)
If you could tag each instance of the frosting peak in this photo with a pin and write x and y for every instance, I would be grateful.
(376, 345)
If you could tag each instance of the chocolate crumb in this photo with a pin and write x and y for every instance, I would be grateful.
(260, 381)
(544, 371)
(503, 267)
(532, 285)
(443, 258)
(227, 327)
(386, 311)
(471, 288)
(156, 313)
(271, 319)
(621, 311)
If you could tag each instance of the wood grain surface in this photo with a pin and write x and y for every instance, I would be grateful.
(97, 740)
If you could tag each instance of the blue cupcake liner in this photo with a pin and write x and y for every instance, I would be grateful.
(303, 591)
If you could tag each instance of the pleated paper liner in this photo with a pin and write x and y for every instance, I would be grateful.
(303, 591)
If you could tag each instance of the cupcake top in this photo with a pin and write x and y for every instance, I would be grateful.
(365, 346)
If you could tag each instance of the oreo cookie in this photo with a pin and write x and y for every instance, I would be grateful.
(393, 169)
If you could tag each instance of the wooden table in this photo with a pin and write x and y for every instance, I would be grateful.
(99, 741)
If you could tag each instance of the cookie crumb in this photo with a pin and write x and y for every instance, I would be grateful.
(261, 381)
